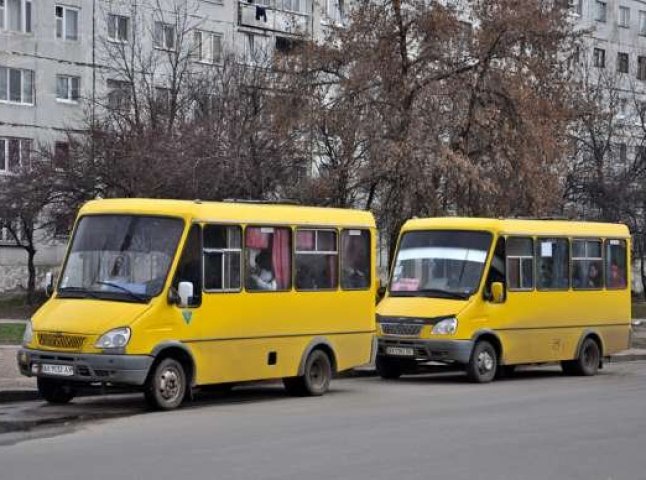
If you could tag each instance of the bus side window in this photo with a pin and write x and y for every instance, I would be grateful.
(616, 264)
(497, 268)
(222, 252)
(268, 263)
(316, 259)
(520, 263)
(587, 273)
(553, 264)
(355, 259)
(189, 268)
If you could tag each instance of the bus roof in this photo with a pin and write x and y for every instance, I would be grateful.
(232, 212)
(520, 226)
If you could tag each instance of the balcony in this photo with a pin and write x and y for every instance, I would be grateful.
(267, 17)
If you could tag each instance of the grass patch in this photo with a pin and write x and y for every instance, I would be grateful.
(15, 306)
(11, 333)
(639, 310)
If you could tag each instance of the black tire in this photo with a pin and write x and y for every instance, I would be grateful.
(388, 368)
(55, 391)
(166, 386)
(316, 377)
(587, 362)
(483, 364)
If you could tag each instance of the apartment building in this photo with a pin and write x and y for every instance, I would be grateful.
(54, 61)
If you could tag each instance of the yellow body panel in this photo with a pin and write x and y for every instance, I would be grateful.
(231, 334)
(532, 326)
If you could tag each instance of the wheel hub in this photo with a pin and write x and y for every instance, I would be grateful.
(485, 362)
(169, 384)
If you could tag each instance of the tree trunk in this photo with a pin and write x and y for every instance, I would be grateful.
(31, 282)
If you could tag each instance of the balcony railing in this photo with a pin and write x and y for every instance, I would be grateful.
(274, 19)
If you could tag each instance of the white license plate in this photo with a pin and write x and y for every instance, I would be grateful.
(62, 370)
(400, 351)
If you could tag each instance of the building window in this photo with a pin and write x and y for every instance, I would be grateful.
(316, 259)
(16, 86)
(623, 63)
(208, 47)
(268, 254)
(15, 15)
(601, 11)
(118, 28)
(256, 48)
(61, 154)
(119, 95)
(67, 23)
(641, 68)
(642, 23)
(575, 6)
(291, 5)
(67, 88)
(599, 58)
(165, 36)
(335, 10)
(14, 153)
(624, 17)
(623, 154)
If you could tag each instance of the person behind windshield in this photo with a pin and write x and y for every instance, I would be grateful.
(120, 272)
(262, 277)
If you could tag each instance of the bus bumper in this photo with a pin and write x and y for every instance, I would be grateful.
(446, 351)
(87, 368)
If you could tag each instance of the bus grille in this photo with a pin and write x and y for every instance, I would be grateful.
(60, 340)
(402, 329)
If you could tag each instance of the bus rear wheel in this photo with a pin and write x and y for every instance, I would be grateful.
(316, 377)
(55, 391)
(588, 361)
(483, 364)
(166, 385)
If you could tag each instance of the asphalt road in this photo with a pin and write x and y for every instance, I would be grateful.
(538, 425)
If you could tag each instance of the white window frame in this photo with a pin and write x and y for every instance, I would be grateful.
(160, 36)
(7, 93)
(600, 60)
(642, 23)
(600, 11)
(116, 18)
(521, 259)
(200, 51)
(25, 18)
(63, 22)
(224, 252)
(575, 7)
(624, 17)
(587, 257)
(24, 143)
(69, 98)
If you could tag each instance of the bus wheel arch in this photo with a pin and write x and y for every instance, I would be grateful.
(317, 367)
(486, 357)
(179, 352)
(319, 343)
(493, 339)
(170, 378)
(589, 355)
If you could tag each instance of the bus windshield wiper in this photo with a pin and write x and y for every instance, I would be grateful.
(134, 295)
(79, 290)
(448, 293)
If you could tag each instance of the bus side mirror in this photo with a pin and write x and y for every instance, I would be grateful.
(185, 293)
(497, 292)
(49, 284)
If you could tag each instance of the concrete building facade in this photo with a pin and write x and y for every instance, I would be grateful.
(55, 62)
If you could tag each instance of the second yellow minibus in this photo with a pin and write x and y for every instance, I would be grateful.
(167, 295)
(490, 294)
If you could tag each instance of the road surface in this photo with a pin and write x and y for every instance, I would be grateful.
(538, 425)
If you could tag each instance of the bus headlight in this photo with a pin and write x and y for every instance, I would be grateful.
(28, 335)
(447, 326)
(117, 338)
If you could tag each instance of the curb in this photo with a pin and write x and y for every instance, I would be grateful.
(9, 396)
(628, 357)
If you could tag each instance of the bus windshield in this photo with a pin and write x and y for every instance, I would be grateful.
(439, 263)
(120, 257)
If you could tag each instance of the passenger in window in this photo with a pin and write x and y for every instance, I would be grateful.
(617, 276)
(594, 275)
(262, 276)
(356, 266)
(120, 272)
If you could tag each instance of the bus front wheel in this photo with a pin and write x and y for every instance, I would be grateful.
(387, 368)
(483, 364)
(54, 391)
(316, 377)
(166, 385)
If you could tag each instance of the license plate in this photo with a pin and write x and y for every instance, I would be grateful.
(62, 370)
(400, 351)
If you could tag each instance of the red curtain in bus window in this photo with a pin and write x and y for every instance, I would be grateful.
(304, 240)
(254, 238)
(281, 258)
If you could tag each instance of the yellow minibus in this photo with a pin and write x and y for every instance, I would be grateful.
(489, 294)
(168, 295)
